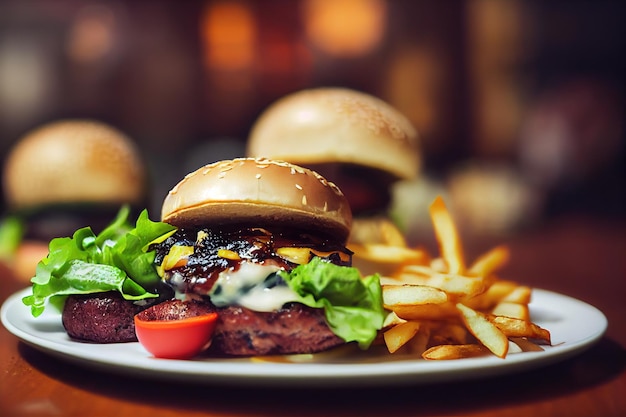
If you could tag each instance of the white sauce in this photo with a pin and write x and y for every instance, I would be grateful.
(266, 299)
(246, 287)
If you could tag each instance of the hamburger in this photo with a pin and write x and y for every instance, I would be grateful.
(358, 141)
(260, 242)
(264, 242)
(61, 176)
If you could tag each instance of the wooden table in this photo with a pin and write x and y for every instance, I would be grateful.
(576, 257)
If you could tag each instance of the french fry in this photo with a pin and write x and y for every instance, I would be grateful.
(398, 335)
(448, 352)
(447, 236)
(494, 293)
(427, 311)
(385, 259)
(458, 285)
(513, 310)
(418, 344)
(526, 345)
(380, 230)
(490, 262)
(454, 310)
(486, 332)
(391, 320)
(397, 295)
(520, 295)
(438, 265)
(512, 327)
(375, 252)
(450, 333)
(390, 234)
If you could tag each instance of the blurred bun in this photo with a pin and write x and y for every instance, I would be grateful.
(258, 193)
(73, 161)
(66, 175)
(337, 125)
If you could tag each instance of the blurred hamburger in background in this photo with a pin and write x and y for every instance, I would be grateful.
(62, 176)
(358, 141)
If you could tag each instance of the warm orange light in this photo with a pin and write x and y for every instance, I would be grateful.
(228, 33)
(414, 83)
(92, 34)
(345, 27)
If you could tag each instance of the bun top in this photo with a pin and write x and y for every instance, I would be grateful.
(73, 161)
(327, 125)
(252, 192)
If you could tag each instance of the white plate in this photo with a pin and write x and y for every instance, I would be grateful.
(574, 326)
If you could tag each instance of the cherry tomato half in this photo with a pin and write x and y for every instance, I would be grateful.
(175, 339)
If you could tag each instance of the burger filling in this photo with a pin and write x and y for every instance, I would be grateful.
(240, 267)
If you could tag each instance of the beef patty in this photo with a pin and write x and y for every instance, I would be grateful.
(239, 331)
(104, 317)
(295, 328)
(109, 318)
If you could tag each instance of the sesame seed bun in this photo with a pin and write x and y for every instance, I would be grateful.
(337, 125)
(258, 193)
(73, 161)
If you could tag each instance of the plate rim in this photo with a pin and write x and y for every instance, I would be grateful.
(397, 372)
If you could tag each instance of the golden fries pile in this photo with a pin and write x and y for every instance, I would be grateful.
(441, 308)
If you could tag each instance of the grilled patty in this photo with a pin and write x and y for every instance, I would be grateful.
(295, 328)
(101, 317)
(104, 317)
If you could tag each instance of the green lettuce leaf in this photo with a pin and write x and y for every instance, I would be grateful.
(117, 258)
(11, 233)
(353, 305)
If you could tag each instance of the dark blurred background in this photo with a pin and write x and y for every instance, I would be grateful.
(519, 104)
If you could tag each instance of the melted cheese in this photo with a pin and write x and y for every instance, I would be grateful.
(247, 287)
